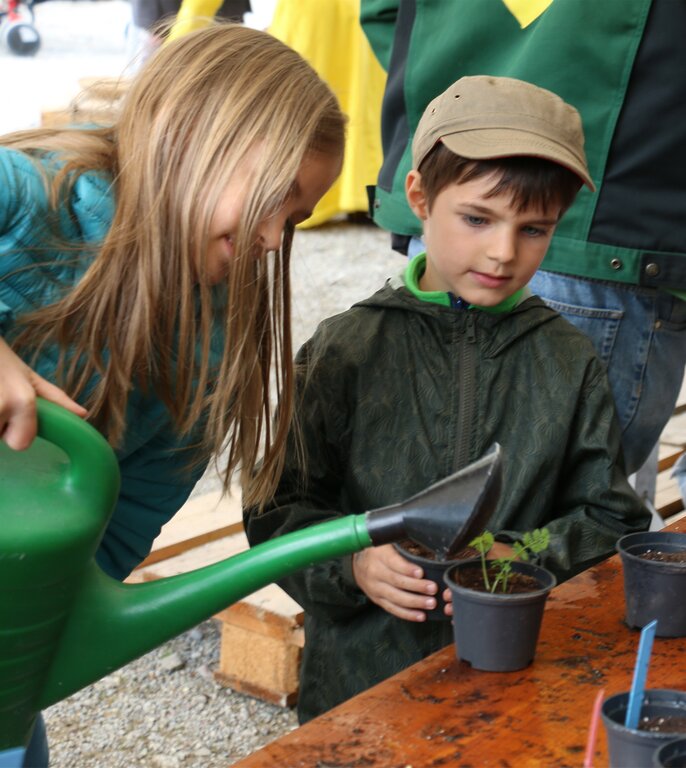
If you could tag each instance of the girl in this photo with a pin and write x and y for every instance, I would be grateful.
(135, 286)
(134, 270)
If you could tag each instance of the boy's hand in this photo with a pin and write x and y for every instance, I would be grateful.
(19, 387)
(394, 583)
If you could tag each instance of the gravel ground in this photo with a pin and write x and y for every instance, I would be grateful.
(165, 710)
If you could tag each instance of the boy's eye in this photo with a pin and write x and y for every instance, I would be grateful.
(534, 231)
(474, 221)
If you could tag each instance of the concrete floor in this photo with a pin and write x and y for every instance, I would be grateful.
(79, 38)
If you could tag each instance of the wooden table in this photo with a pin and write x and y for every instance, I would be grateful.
(441, 712)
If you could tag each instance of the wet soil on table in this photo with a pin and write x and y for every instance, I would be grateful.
(663, 724)
(664, 557)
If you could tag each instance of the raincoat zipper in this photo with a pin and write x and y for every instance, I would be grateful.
(467, 392)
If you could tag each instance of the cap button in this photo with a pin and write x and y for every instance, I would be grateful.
(616, 264)
(652, 269)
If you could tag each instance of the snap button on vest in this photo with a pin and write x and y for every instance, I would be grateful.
(616, 264)
(652, 269)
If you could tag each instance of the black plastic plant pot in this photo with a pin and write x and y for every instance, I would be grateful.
(434, 570)
(498, 632)
(654, 589)
(671, 755)
(634, 748)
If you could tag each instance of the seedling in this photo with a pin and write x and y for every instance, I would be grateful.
(532, 543)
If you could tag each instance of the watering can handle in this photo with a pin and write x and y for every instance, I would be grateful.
(92, 463)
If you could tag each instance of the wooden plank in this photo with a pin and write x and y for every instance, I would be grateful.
(194, 558)
(279, 698)
(674, 432)
(56, 118)
(257, 663)
(285, 628)
(668, 456)
(668, 500)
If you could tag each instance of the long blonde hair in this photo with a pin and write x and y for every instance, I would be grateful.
(138, 315)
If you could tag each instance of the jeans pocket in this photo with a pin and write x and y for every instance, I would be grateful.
(600, 325)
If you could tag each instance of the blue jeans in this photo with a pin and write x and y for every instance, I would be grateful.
(37, 754)
(640, 334)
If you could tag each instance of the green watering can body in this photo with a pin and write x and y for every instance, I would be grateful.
(54, 505)
(65, 624)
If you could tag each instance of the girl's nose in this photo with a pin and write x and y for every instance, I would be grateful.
(271, 232)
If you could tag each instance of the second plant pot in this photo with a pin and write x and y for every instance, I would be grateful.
(495, 631)
(655, 588)
(671, 755)
(635, 747)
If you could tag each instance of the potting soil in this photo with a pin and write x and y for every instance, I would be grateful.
(663, 724)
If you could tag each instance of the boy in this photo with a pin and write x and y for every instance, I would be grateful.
(421, 378)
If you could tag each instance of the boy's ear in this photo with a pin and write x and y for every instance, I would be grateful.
(415, 195)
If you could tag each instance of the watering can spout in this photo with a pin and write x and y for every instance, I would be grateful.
(448, 514)
(66, 624)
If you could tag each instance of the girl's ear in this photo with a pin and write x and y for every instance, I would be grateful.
(415, 195)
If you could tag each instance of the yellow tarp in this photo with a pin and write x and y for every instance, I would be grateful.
(329, 36)
(193, 14)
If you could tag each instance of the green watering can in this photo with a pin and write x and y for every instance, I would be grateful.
(65, 624)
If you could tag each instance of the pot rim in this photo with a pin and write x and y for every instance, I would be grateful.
(665, 697)
(663, 751)
(630, 541)
(650, 538)
(426, 560)
(522, 567)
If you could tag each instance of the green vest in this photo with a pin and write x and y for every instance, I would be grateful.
(550, 52)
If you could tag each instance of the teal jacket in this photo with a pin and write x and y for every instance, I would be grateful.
(397, 393)
(621, 64)
(155, 480)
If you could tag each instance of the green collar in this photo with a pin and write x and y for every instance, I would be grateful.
(414, 271)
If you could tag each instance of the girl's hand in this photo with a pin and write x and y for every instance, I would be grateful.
(393, 583)
(19, 387)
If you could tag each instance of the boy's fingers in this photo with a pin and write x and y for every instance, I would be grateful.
(402, 599)
(448, 600)
(409, 584)
(407, 614)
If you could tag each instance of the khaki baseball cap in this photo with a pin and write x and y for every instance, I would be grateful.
(484, 117)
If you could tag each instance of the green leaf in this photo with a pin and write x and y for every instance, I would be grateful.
(484, 543)
(537, 540)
